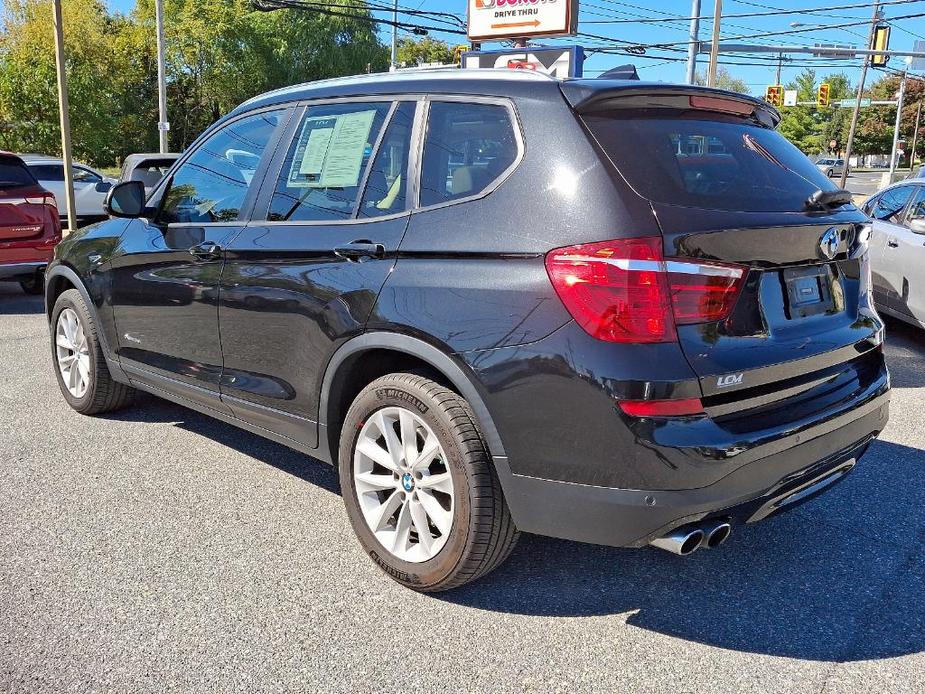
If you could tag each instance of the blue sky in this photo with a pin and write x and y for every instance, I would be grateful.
(905, 32)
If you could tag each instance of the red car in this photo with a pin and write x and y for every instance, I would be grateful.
(29, 225)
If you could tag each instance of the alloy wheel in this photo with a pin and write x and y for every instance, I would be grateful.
(73, 353)
(403, 484)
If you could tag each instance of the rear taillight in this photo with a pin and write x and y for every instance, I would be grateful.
(625, 290)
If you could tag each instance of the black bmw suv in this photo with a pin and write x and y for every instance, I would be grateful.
(617, 312)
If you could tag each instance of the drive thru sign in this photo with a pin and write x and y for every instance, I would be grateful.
(504, 19)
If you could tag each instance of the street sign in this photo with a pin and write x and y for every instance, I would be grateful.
(163, 126)
(851, 103)
(492, 20)
(790, 97)
(561, 61)
(837, 50)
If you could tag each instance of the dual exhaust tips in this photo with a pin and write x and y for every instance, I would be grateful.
(689, 538)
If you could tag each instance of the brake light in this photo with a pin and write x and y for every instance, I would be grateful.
(662, 408)
(625, 291)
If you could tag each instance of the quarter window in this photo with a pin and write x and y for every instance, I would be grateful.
(322, 172)
(466, 149)
(211, 185)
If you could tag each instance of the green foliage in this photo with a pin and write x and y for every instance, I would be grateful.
(218, 54)
(412, 53)
(724, 80)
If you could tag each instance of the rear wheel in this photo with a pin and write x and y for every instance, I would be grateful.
(419, 487)
(830, 173)
(80, 366)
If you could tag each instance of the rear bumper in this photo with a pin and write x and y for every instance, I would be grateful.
(633, 517)
(16, 271)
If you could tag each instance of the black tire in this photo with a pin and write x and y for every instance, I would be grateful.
(483, 534)
(103, 393)
(34, 285)
(830, 173)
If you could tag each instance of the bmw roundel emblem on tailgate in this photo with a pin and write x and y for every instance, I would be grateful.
(829, 243)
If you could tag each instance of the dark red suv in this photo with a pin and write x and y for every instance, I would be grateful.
(29, 225)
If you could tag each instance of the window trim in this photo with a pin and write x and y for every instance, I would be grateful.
(268, 189)
(247, 205)
(516, 125)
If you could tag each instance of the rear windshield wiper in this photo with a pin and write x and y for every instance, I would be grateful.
(828, 199)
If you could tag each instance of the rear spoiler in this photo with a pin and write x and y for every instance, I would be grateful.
(586, 96)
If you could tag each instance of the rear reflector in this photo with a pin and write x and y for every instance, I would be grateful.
(625, 291)
(662, 408)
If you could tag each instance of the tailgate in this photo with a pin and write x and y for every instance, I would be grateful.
(22, 213)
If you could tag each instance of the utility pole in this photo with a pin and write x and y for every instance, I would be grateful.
(915, 136)
(714, 47)
(899, 117)
(857, 105)
(692, 48)
(780, 64)
(394, 65)
(162, 125)
(65, 118)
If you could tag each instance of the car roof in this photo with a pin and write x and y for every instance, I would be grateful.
(42, 159)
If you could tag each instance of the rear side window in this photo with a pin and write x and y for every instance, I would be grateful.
(466, 150)
(324, 167)
(708, 161)
(889, 205)
(48, 172)
(14, 174)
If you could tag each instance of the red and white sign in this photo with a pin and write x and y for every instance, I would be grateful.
(493, 20)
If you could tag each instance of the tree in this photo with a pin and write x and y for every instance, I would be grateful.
(412, 52)
(802, 125)
(218, 54)
(724, 80)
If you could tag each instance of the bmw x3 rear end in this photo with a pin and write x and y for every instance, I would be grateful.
(615, 312)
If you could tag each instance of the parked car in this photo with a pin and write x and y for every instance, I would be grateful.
(498, 302)
(897, 250)
(918, 172)
(147, 168)
(90, 187)
(29, 225)
(831, 167)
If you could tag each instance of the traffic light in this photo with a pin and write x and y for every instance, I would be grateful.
(822, 95)
(881, 43)
(774, 95)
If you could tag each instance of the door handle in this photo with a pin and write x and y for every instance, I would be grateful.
(893, 243)
(207, 250)
(357, 250)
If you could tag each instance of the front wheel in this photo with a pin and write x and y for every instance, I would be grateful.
(419, 486)
(80, 365)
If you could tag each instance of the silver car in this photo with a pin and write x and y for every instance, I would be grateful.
(90, 186)
(830, 167)
(897, 250)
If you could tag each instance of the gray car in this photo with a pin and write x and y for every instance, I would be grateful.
(897, 250)
(148, 168)
(830, 166)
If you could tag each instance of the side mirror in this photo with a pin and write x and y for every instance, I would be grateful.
(103, 186)
(917, 225)
(126, 199)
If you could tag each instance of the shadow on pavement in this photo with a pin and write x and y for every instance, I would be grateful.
(904, 345)
(809, 584)
(13, 302)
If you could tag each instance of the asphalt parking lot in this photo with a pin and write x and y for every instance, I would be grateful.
(157, 550)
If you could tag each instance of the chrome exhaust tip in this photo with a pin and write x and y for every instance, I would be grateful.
(681, 541)
(715, 533)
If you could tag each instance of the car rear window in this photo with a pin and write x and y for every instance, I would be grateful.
(708, 161)
(14, 174)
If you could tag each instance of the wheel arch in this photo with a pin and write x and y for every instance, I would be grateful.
(58, 279)
(410, 353)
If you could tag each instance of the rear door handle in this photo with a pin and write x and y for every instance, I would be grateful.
(357, 250)
(207, 250)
